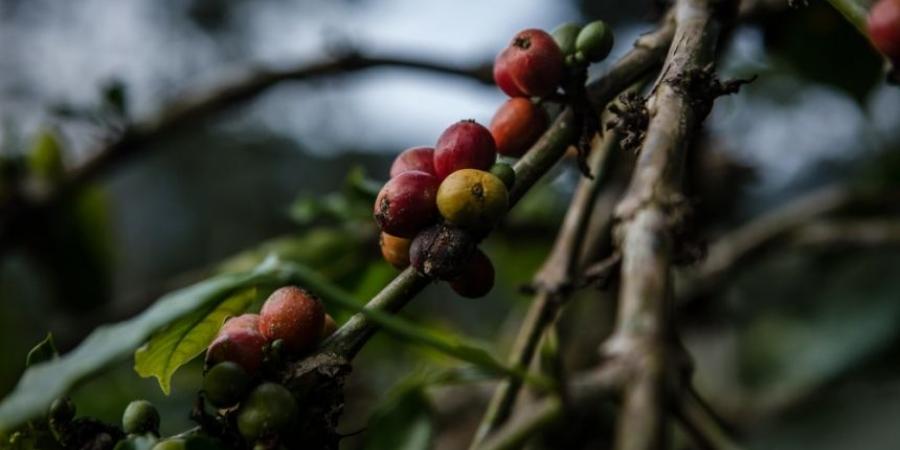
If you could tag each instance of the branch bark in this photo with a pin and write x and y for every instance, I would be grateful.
(647, 218)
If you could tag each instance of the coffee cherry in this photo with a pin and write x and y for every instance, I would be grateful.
(140, 417)
(464, 145)
(239, 341)
(594, 41)
(61, 411)
(476, 278)
(504, 80)
(505, 173)
(395, 250)
(532, 62)
(329, 326)
(294, 316)
(170, 444)
(268, 409)
(225, 384)
(565, 36)
(416, 158)
(884, 28)
(406, 203)
(472, 199)
(516, 125)
(440, 250)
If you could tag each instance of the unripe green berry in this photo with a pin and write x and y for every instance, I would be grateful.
(565, 36)
(225, 384)
(594, 41)
(140, 417)
(170, 444)
(62, 410)
(505, 173)
(269, 409)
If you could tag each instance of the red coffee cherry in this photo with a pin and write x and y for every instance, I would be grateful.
(239, 341)
(884, 28)
(532, 62)
(503, 79)
(394, 250)
(464, 145)
(406, 203)
(416, 158)
(516, 125)
(294, 316)
(476, 278)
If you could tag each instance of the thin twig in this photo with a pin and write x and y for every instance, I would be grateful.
(139, 137)
(701, 423)
(647, 215)
(739, 247)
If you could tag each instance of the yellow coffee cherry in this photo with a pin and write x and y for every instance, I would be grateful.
(473, 199)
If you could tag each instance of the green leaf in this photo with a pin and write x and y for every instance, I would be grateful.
(111, 343)
(183, 340)
(43, 351)
(452, 345)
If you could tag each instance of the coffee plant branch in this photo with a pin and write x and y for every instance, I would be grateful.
(648, 216)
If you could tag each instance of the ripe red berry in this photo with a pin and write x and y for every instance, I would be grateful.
(884, 28)
(503, 79)
(294, 316)
(532, 62)
(394, 250)
(516, 125)
(476, 278)
(416, 158)
(406, 203)
(464, 145)
(239, 341)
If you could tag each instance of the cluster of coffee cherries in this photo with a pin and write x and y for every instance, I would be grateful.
(250, 347)
(884, 29)
(439, 197)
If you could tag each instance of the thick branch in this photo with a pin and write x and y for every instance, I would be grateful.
(141, 136)
(647, 215)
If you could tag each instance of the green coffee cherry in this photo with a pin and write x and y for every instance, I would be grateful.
(62, 410)
(137, 442)
(565, 36)
(594, 41)
(225, 384)
(270, 408)
(140, 417)
(505, 173)
(170, 444)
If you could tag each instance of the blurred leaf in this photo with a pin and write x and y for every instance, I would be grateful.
(45, 159)
(75, 250)
(402, 422)
(43, 351)
(365, 188)
(821, 46)
(42, 383)
(115, 97)
(374, 277)
(183, 340)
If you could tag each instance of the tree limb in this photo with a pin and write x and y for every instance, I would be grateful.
(647, 217)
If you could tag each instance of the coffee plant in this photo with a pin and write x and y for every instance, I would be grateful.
(274, 373)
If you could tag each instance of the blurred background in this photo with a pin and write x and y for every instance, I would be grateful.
(798, 349)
